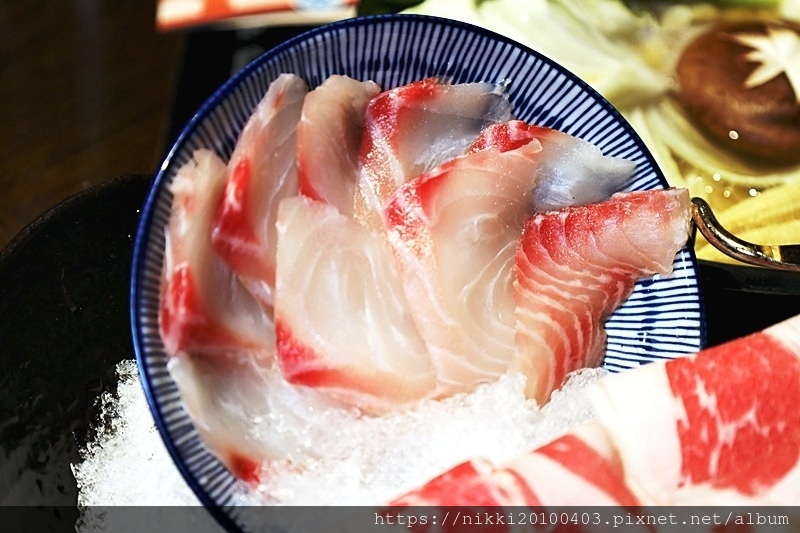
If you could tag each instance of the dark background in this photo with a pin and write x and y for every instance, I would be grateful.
(89, 89)
(86, 94)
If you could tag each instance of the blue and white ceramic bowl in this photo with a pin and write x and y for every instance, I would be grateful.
(663, 319)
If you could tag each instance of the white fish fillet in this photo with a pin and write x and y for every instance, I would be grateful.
(328, 140)
(413, 129)
(454, 231)
(341, 315)
(261, 172)
(204, 310)
(248, 415)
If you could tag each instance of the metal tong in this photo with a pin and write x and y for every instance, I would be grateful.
(778, 256)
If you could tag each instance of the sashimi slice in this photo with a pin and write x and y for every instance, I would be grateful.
(248, 415)
(579, 468)
(575, 266)
(412, 129)
(328, 139)
(204, 310)
(454, 232)
(261, 172)
(571, 171)
(341, 316)
(718, 428)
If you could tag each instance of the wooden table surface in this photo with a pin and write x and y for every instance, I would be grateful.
(86, 91)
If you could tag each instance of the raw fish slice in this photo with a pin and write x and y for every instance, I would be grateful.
(261, 172)
(718, 428)
(341, 315)
(579, 468)
(454, 232)
(204, 310)
(575, 266)
(248, 415)
(328, 138)
(572, 171)
(412, 129)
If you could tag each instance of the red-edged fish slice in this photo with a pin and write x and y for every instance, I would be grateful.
(571, 171)
(204, 310)
(341, 316)
(718, 428)
(328, 139)
(454, 232)
(248, 415)
(262, 171)
(576, 265)
(412, 129)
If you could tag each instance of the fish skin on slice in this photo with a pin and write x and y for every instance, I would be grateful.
(575, 266)
(341, 316)
(204, 310)
(572, 170)
(261, 172)
(412, 129)
(328, 139)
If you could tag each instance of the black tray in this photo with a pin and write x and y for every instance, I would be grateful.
(64, 325)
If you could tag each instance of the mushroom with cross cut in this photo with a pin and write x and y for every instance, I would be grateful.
(741, 83)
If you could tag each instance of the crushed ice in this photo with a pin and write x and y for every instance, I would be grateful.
(369, 461)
